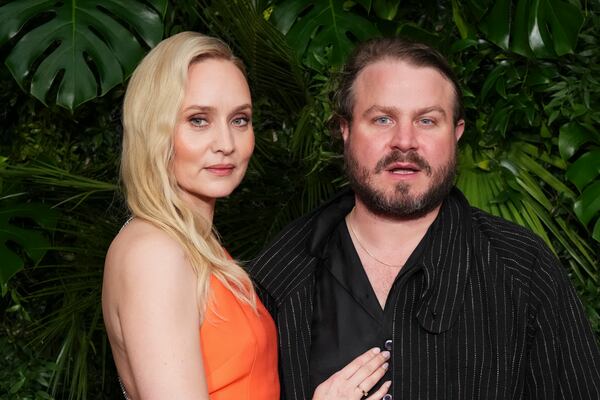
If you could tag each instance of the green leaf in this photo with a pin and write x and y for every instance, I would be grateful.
(492, 78)
(541, 75)
(466, 31)
(33, 242)
(415, 32)
(564, 21)
(83, 50)
(571, 137)
(273, 68)
(315, 26)
(462, 45)
(540, 28)
(366, 4)
(528, 164)
(386, 9)
(596, 233)
(497, 23)
(585, 169)
(588, 205)
(18, 385)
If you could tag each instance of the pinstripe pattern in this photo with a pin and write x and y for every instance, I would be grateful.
(489, 315)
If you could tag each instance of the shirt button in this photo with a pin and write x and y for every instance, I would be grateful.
(387, 397)
(388, 346)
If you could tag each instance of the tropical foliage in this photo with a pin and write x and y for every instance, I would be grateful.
(531, 153)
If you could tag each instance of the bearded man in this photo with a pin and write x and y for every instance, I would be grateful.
(470, 306)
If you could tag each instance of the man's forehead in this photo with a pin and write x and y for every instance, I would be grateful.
(395, 83)
(398, 68)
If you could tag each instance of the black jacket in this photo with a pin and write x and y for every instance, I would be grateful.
(490, 315)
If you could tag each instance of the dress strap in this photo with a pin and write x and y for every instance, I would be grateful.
(127, 222)
(125, 396)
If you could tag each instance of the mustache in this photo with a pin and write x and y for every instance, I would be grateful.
(405, 157)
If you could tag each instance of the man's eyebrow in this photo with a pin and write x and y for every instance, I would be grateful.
(394, 110)
(378, 108)
(431, 109)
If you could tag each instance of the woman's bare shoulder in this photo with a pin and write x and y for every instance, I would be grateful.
(140, 241)
(142, 254)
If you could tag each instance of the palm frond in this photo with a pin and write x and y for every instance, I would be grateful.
(274, 70)
(514, 186)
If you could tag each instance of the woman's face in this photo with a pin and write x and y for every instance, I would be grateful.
(213, 138)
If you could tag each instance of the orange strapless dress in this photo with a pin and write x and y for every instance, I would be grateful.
(239, 349)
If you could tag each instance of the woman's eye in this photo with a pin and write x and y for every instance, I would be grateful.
(198, 121)
(383, 120)
(240, 121)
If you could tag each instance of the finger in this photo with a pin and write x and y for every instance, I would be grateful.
(358, 362)
(373, 366)
(372, 379)
(382, 391)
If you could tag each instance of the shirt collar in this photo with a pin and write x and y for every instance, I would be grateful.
(445, 261)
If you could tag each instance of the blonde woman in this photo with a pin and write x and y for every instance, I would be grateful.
(182, 317)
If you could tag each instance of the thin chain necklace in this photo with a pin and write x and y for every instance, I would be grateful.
(363, 246)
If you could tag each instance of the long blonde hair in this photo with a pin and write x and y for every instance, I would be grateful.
(150, 111)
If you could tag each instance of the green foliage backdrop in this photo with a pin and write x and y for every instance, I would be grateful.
(530, 71)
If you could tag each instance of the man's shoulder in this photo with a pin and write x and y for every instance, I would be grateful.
(516, 246)
(285, 254)
(289, 259)
(294, 237)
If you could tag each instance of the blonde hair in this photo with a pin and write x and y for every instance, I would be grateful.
(150, 111)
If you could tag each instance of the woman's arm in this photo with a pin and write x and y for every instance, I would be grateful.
(152, 289)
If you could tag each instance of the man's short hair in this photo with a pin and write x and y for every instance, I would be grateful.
(392, 48)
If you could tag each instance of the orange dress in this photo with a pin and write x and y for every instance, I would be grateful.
(239, 349)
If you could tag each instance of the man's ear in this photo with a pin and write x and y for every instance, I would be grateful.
(344, 129)
(459, 129)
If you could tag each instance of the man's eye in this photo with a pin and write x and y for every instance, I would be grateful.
(198, 121)
(240, 121)
(426, 121)
(383, 120)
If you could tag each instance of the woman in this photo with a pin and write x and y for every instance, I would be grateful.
(182, 316)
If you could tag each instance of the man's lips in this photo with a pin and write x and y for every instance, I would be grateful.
(399, 163)
(402, 168)
(221, 169)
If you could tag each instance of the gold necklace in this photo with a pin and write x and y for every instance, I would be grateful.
(364, 248)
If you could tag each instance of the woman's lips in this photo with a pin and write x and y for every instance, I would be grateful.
(221, 169)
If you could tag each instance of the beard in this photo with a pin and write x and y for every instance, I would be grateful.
(400, 203)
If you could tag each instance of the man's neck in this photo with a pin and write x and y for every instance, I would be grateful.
(390, 230)
(389, 238)
(385, 244)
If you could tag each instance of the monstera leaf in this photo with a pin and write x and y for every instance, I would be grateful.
(539, 28)
(32, 242)
(584, 172)
(81, 48)
(316, 26)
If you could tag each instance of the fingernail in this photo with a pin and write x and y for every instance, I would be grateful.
(385, 366)
(386, 354)
(376, 350)
(388, 383)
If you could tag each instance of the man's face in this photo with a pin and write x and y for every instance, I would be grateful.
(400, 148)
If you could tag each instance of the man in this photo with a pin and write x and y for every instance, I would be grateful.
(470, 306)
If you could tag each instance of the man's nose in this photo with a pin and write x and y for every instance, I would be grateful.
(404, 136)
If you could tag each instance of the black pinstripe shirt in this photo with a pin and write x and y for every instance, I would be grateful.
(347, 317)
(491, 315)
